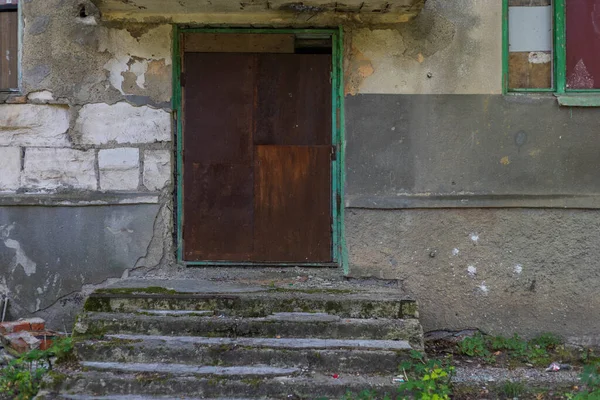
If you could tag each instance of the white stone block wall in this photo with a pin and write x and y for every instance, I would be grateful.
(50, 168)
(34, 125)
(119, 169)
(97, 147)
(100, 124)
(157, 169)
(10, 168)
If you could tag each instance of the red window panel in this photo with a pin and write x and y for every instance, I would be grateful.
(583, 44)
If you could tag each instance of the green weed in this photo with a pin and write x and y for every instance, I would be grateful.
(590, 379)
(511, 390)
(426, 379)
(475, 346)
(22, 377)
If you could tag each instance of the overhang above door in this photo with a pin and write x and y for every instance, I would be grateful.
(272, 12)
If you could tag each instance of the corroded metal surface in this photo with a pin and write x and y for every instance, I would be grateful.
(257, 157)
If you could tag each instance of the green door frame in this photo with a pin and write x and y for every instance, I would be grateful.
(339, 252)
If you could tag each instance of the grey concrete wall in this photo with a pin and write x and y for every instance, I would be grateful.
(522, 266)
(505, 271)
(48, 254)
(484, 206)
(490, 150)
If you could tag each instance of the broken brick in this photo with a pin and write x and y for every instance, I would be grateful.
(22, 341)
(14, 326)
(37, 324)
(19, 345)
(46, 338)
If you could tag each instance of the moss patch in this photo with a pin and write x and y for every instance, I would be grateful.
(99, 304)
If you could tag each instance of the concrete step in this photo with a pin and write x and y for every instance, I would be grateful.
(287, 325)
(321, 355)
(260, 302)
(136, 397)
(145, 384)
(253, 371)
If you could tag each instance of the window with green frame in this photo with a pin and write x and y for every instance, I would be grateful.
(551, 46)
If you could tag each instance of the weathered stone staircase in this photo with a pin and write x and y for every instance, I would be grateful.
(242, 343)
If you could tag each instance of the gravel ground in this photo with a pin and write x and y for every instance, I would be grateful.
(537, 377)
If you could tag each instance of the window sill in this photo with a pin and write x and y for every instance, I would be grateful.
(12, 97)
(579, 100)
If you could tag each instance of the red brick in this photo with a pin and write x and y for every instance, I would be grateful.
(14, 326)
(46, 343)
(46, 338)
(37, 324)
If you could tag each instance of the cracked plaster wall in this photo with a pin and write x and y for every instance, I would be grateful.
(451, 47)
(429, 139)
(86, 157)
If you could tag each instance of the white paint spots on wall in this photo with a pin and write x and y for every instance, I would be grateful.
(474, 237)
(20, 257)
(518, 269)
(472, 271)
(484, 289)
(455, 251)
(540, 57)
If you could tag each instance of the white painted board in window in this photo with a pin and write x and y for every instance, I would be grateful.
(530, 28)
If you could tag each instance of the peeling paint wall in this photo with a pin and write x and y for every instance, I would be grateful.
(86, 158)
(450, 47)
(80, 59)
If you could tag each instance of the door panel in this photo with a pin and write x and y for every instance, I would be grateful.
(292, 206)
(219, 107)
(294, 99)
(219, 212)
(218, 152)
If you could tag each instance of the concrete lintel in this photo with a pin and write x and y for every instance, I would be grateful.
(78, 199)
(264, 19)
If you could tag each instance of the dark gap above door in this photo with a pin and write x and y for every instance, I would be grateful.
(257, 43)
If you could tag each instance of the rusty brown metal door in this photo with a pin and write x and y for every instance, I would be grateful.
(257, 157)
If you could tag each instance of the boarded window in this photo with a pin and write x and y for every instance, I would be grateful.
(583, 44)
(9, 45)
(530, 44)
